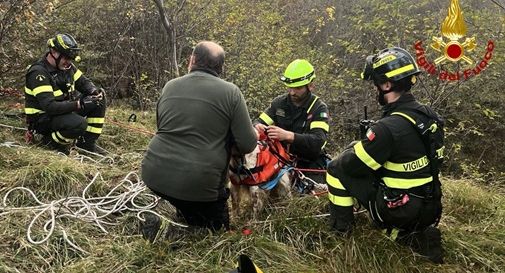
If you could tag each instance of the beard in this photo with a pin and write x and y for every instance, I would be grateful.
(298, 99)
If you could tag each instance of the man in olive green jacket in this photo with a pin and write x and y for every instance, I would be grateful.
(199, 118)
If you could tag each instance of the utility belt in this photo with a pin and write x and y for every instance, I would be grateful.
(398, 197)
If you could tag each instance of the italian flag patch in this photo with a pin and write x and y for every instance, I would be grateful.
(370, 134)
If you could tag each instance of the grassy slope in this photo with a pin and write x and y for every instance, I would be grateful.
(473, 224)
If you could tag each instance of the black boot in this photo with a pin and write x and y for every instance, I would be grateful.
(341, 219)
(88, 143)
(48, 143)
(428, 243)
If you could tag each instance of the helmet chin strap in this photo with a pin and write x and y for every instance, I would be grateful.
(380, 94)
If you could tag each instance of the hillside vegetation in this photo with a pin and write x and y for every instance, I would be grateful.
(132, 54)
(290, 236)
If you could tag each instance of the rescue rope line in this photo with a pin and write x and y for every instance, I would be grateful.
(12, 144)
(302, 217)
(103, 158)
(79, 157)
(90, 209)
(310, 170)
(13, 127)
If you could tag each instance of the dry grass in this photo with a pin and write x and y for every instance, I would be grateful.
(287, 238)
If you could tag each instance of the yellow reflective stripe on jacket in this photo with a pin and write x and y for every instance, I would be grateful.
(31, 111)
(95, 130)
(411, 166)
(340, 201)
(28, 91)
(405, 116)
(360, 152)
(312, 104)
(77, 74)
(58, 93)
(324, 145)
(265, 118)
(334, 182)
(320, 124)
(96, 120)
(405, 183)
(400, 70)
(440, 152)
(39, 89)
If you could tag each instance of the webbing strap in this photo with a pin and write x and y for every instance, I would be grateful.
(272, 183)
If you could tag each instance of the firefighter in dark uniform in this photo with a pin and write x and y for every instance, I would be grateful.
(389, 171)
(60, 102)
(299, 119)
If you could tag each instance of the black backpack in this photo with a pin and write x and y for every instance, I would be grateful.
(431, 128)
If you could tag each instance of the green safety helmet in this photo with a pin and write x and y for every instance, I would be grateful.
(298, 73)
(66, 45)
(390, 64)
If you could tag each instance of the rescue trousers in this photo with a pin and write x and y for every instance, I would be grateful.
(213, 215)
(417, 213)
(67, 127)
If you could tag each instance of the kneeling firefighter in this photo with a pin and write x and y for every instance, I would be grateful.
(60, 102)
(393, 171)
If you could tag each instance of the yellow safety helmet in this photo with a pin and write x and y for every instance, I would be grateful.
(298, 73)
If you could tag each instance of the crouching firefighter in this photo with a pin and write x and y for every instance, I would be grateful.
(299, 119)
(393, 170)
(61, 104)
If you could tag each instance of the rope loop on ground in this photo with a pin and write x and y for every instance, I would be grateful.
(129, 195)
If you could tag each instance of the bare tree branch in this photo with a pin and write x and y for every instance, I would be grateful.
(498, 4)
(163, 17)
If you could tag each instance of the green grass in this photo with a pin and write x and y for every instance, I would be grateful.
(286, 238)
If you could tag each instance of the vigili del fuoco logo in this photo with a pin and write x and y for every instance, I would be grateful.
(452, 50)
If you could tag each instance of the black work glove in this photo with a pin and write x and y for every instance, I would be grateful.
(99, 91)
(90, 103)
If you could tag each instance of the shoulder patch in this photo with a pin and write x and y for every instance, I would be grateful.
(40, 77)
(280, 112)
(370, 134)
(323, 115)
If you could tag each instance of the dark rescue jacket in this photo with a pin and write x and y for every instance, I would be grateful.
(309, 122)
(395, 149)
(52, 91)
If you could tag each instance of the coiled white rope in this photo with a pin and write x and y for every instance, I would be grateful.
(123, 197)
(102, 159)
(11, 144)
(81, 156)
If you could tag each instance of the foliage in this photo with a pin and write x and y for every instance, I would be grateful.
(127, 50)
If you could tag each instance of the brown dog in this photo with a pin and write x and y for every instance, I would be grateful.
(253, 197)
